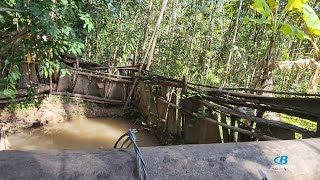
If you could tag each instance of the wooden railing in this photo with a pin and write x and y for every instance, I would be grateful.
(205, 114)
(190, 112)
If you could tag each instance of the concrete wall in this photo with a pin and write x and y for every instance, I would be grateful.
(247, 160)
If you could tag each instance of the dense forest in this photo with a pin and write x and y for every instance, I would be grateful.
(260, 44)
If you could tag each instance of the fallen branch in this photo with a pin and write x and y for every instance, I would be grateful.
(88, 97)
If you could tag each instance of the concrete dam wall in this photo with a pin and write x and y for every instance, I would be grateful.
(285, 159)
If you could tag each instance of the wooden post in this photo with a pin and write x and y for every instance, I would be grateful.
(135, 82)
(24, 81)
(51, 84)
(225, 131)
(318, 129)
(184, 85)
(183, 116)
(232, 137)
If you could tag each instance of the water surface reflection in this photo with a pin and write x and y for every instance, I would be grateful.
(82, 133)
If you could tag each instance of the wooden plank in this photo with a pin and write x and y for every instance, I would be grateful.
(192, 127)
(260, 120)
(93, 89)
(116, 90)
(210, 131)
(81, 85)
(65, 84)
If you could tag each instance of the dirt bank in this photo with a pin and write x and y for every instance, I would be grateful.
(51, 110)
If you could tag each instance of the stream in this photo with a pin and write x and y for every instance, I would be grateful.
(83, 133)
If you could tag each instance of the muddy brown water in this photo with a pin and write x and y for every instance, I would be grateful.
(83, 133)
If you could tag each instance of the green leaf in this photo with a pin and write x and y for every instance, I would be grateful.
(294, 4)
(259, 21)
(262, 7)
(293, 31)
(2, 20)
(9, 93)
(311, 19)
(273, 4)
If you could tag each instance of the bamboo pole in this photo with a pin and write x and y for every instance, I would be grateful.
(103, 77)
(278, 124)
(225, 132)
(133, 86)
(100, 73)
(256, 105)
(111, 101)
(243, 131)
(134, 67)
(254, 90)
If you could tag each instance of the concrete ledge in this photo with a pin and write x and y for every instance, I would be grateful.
(211, 161)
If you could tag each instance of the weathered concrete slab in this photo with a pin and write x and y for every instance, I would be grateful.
(245, 160)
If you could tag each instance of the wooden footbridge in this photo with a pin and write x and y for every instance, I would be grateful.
(189, 112)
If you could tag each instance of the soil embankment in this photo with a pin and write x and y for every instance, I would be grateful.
(51, 110)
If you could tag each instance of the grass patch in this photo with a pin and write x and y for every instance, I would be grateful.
(303, 123)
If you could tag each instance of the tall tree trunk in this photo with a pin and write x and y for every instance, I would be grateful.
(146, 28)
(264, 78)
(155, 35)
(234, 37)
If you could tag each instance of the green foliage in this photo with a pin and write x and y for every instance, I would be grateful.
(149, 78)
(262, 7)
(309, 16)
(44, 29)
(194, 37)
(27, 104)
(291, 30)
(303, 123)
(311, 19)
(131, 112)
(88, 23)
